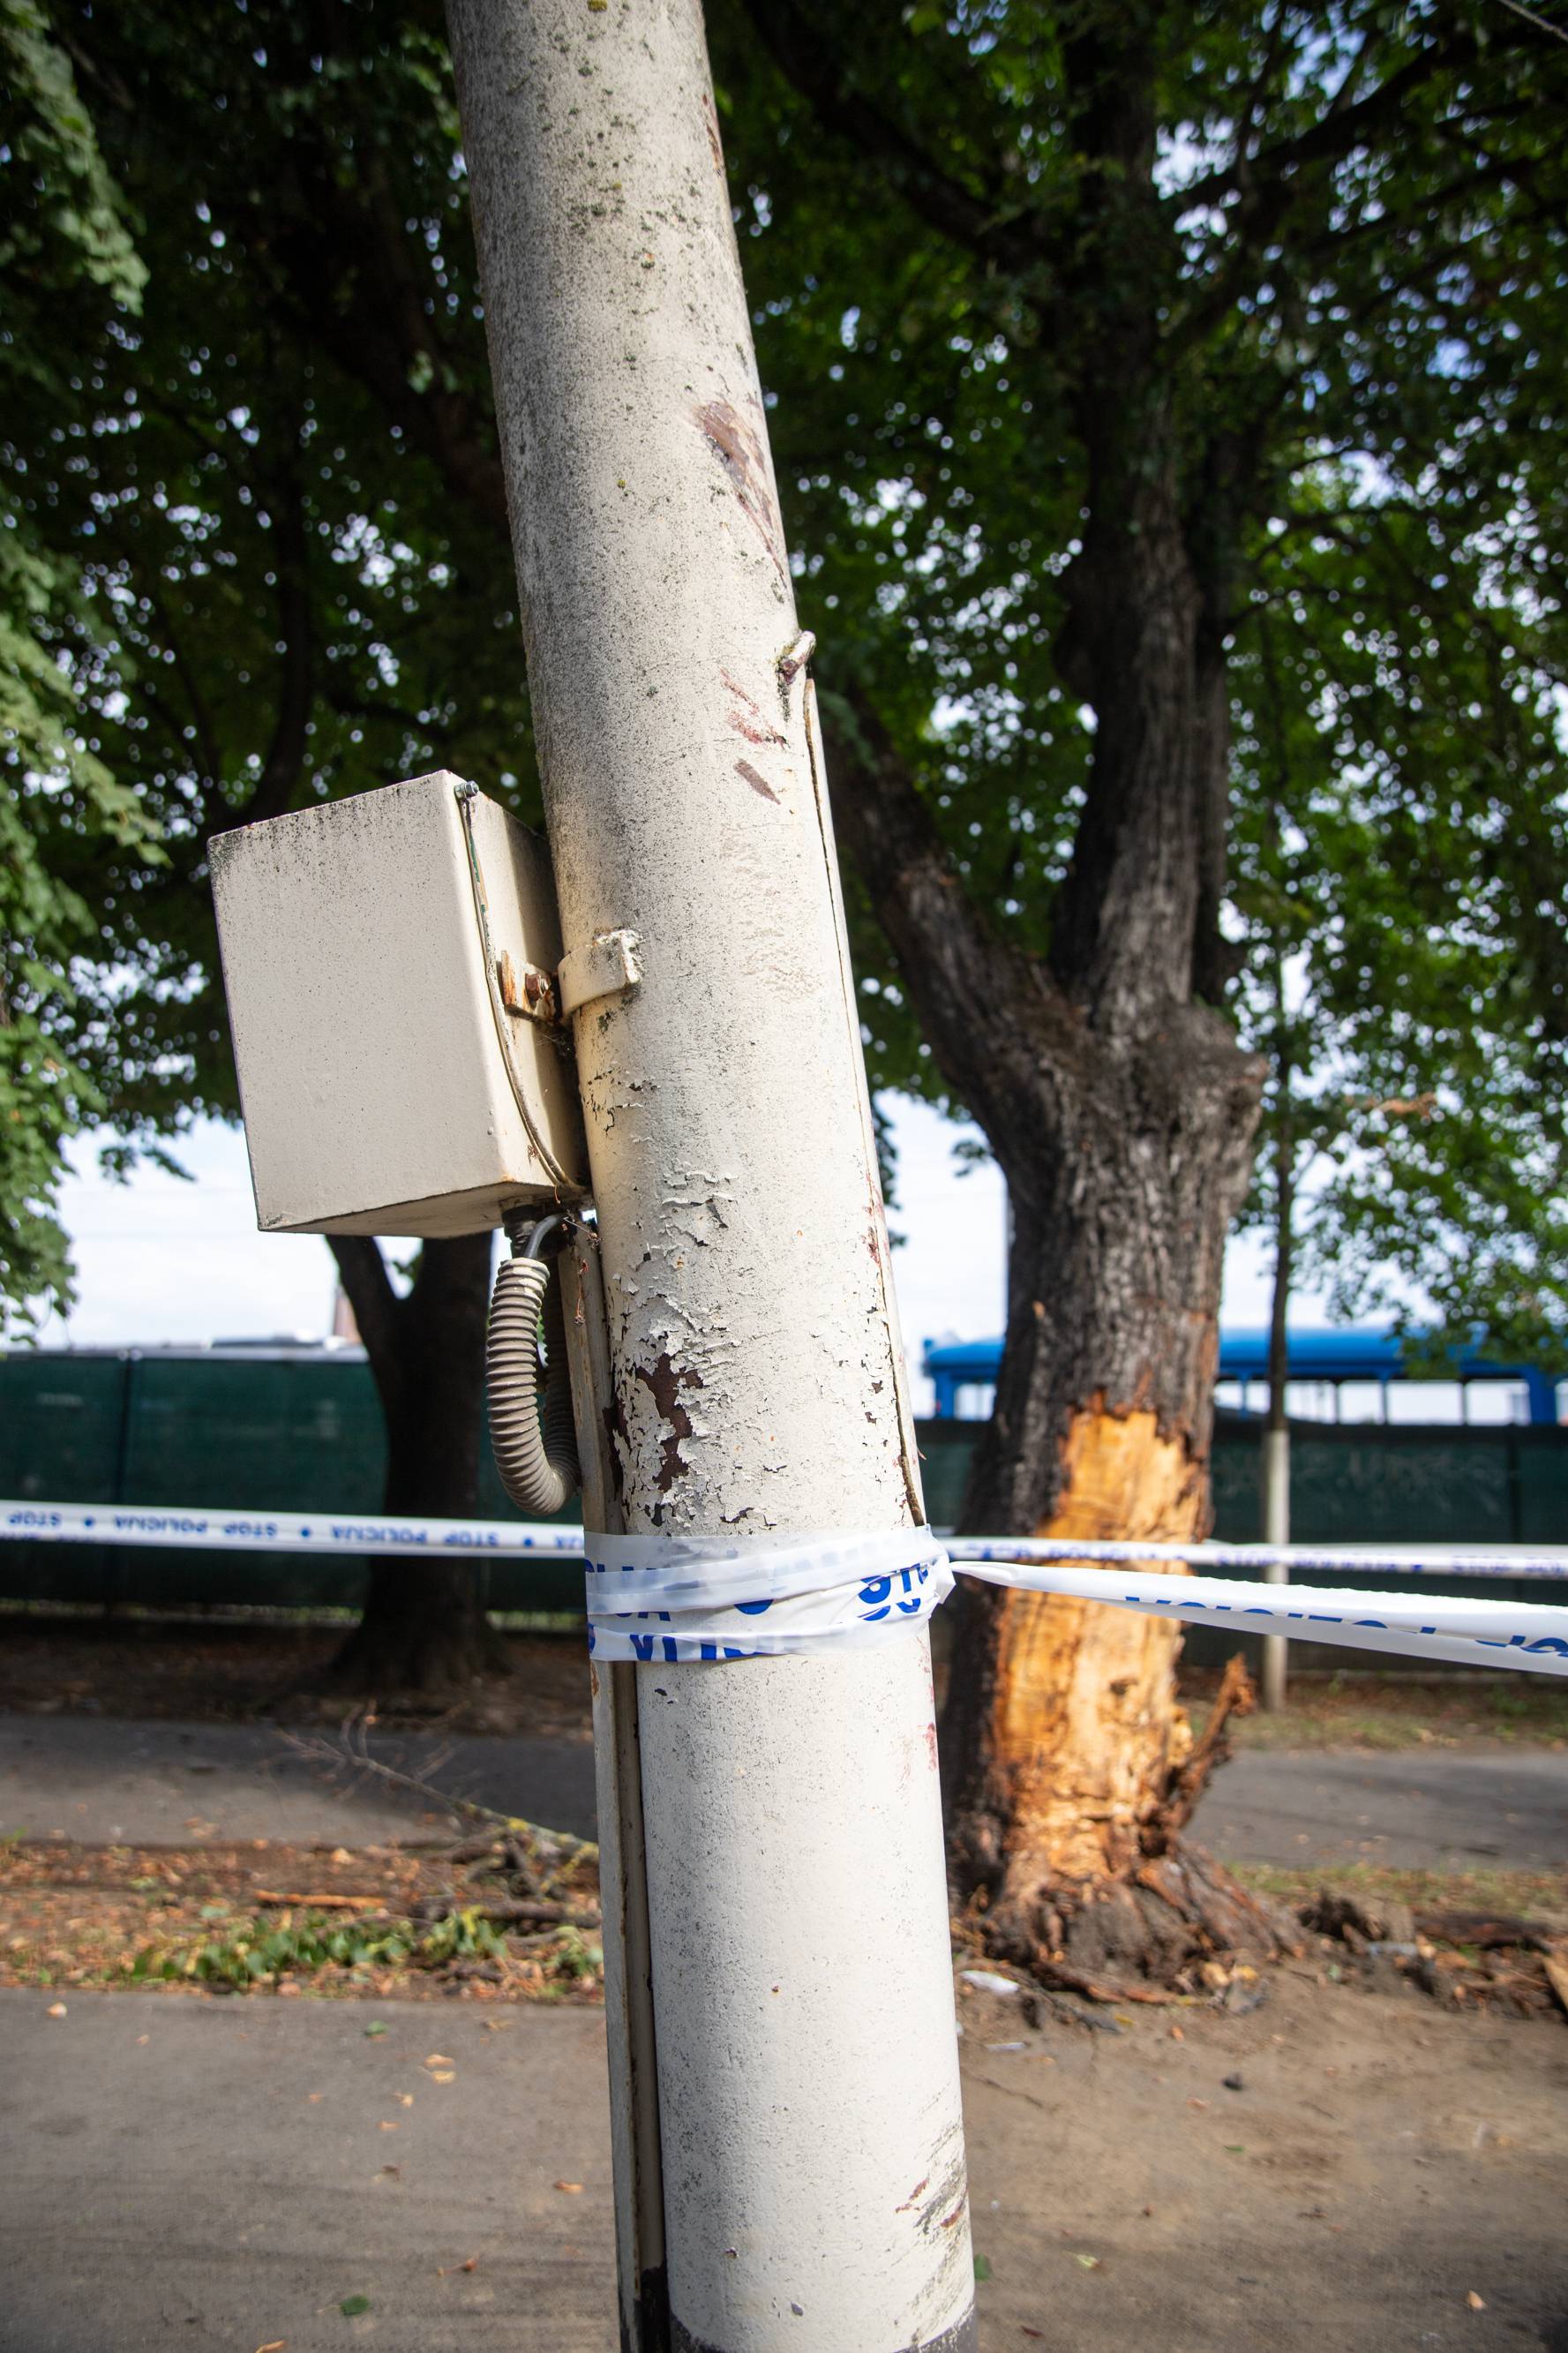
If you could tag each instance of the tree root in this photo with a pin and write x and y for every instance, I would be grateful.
(420, 1663)
(1170, 1923)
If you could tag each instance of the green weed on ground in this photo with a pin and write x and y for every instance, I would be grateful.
(1540, 1895)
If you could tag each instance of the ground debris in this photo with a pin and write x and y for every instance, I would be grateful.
(1235, 1697)
(245, 1669)
(1483, 1961)
(1359, 1920)
(382, 1921)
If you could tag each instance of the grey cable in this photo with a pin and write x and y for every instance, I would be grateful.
(532, 1434)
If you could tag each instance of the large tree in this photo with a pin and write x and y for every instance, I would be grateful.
(1402, 861)
(65, 250)
(276, 485)
(1064, 309)
(1069, 311)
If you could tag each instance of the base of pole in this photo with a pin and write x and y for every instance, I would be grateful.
(964, 2338)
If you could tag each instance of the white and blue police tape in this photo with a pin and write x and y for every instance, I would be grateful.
(172, 1527)
(1525, 1634)
(678, 1598)
(1351, 1560)
(670, 1599)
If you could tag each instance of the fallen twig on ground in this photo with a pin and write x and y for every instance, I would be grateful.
(347, 1750)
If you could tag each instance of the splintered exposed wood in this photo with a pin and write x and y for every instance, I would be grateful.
(1235, 1696)
(320, 1902)
(1485, 1930)
(1096, 1990)
(1556, 1965)
(1066, 1838)
(1085, 1727)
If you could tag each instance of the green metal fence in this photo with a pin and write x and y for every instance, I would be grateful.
(299, 1432)
(1357, 1484)
(302, 1431)
(1371, 1484)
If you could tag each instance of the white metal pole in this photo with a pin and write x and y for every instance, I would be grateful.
(809, 2126)
(1275, 1531)
(638, 2171)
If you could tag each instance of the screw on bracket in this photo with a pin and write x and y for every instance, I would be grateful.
(530, 994)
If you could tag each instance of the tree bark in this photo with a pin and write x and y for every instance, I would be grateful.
(1063, 1740)
(424, 1631)
(1121, 1112)
(1115, 1100)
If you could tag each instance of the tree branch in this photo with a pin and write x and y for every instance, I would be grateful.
(185, 670)
(361, 1270)
(988, 1008)
(989, 225)
(284, 760)
(345, 272)
(1328, 141)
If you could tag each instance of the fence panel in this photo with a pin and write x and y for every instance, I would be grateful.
(305, 1433)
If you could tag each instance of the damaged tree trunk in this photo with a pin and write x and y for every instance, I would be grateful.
(1121, 1112)
(1064, 1739)
(424, 1631)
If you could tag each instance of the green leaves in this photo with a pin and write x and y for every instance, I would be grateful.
(263, 1949)
(64, 219)
(1318, 288)
(65, 253)
(1403, 862)
(256, 551)
(234, 574)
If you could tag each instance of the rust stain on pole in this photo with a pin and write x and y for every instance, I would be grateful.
(666, 1384)
(758, 784)
(741, 453)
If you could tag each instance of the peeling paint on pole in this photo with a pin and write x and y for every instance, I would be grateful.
(808, 2099)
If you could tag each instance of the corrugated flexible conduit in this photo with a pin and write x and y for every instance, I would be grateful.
(532, 1434)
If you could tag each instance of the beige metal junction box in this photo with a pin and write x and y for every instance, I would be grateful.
(389, 961)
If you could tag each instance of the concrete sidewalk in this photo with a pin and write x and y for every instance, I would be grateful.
(104, 1779)
(217, 2176)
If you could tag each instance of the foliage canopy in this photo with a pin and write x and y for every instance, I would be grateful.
(1014, 267)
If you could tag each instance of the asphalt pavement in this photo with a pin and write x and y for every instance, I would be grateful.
(105, 1779)
(220, 2176)
(102, 1781)
(1411, 1809)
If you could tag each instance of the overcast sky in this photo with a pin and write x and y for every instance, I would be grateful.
(161, 1261)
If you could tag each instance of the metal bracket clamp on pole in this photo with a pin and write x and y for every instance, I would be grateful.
(607, 966)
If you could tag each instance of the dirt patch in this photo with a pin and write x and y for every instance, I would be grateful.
(1341, 2167)
(235, 1671)
(226, 2175)
(231, 1671)
(487, 1920)
(1542, 1895)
